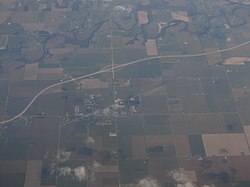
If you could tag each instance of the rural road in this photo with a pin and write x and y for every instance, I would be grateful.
(117, 67)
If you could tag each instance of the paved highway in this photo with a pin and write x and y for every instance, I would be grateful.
(117, 67)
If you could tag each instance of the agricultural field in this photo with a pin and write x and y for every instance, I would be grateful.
(124, 93)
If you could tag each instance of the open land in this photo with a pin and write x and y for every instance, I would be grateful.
(124, 93)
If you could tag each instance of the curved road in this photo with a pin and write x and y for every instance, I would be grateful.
(116, 67)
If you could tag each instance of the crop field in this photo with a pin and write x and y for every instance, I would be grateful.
(3, 95)
(138, 147)
(172, 99)
(182, 146)
(194, 104)
(148, 69)
(154, 101)
(138, 168)
(56, 106)
(44, 138)
(225, 147)
(10, 180)
(196, 145)
(157, 124)
(130, 126)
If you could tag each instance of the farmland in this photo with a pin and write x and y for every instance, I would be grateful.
(124, 93)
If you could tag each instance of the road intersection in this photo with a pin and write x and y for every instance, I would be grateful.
(117, 67)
